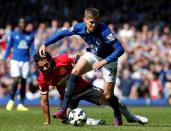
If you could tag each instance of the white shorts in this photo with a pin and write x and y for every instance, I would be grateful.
(19, 68)
(109, 71)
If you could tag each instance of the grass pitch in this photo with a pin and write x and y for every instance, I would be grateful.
(159, 120)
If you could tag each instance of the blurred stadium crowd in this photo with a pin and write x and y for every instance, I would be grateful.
(143, 27)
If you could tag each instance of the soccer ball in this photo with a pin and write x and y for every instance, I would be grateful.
(77, 117)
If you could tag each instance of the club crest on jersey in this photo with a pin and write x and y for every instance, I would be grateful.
(71, 29)
(110, 37)
(28, 37)
(17, 37)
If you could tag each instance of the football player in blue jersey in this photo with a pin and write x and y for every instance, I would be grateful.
(21, 42)
(102, 54)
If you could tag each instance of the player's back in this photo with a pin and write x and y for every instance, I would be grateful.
(59, 76)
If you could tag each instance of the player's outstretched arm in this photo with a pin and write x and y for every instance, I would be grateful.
(45, 108)
(54, 38)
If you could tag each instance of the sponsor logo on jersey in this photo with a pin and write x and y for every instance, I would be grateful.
(22, 45)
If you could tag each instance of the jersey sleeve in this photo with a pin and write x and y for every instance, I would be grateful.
(107, 34)
(61, 34)
(110, 38)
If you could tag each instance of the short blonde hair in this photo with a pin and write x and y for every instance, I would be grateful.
(91, 13)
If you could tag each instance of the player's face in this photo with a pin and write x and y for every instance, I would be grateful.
(44, 66)
(21, 24)
(91, 24)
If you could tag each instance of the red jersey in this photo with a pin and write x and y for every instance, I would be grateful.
(59, 76)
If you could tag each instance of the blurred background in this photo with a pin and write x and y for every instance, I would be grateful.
(144, 71)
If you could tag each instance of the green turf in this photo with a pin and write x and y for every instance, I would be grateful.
(159, 120)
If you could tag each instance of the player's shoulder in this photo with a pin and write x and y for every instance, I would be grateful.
(31, 34)
(14, 33)
(61, 58)
(78, 27)
(106, 32)
(103, 26)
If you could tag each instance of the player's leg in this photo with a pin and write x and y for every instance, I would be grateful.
(15, 73)
(130, 117)
(109, 74)
(24, 72)
(80, 68)
(90, 94)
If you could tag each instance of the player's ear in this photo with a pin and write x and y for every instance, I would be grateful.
(84, 19)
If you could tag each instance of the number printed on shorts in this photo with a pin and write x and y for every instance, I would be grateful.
(110, 72)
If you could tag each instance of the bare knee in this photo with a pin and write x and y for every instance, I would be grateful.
(103, 100)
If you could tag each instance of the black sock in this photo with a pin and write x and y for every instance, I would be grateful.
(22, 90)
(114, 103)
(69, 90)
(14, 89)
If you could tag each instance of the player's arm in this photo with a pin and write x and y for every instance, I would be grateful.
(54, 38)
(9, 46)
(116, 44)
(58, 36)
(32, 46)
(116, 53)
(45, 107)
(61, 34)
(110, 39)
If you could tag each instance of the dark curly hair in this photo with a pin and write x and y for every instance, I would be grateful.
(46, 56)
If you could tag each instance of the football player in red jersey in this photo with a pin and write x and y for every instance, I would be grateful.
(55, 72)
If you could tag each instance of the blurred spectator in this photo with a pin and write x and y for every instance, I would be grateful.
(126, 83)
(155, 87)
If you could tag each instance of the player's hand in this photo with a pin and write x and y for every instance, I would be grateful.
(42, 50)
(98, 65)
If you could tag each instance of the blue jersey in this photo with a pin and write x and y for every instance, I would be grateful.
(102, 42)
(21, 44)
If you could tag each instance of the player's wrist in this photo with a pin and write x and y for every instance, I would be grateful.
(104, 62)
(44, 43)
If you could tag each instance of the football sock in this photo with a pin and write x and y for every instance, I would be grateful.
(14, 89)
(126, 112)
(69, 90)
(22, 90)
(114, 103)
